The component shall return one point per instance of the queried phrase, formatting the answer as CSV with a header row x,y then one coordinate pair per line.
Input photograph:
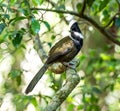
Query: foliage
x,y
20,23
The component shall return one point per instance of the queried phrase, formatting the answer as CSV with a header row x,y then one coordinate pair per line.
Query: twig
x,y
102,30
42,14
90,20
57,11
83,7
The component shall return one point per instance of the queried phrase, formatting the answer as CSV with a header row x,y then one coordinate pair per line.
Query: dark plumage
x,y
63,51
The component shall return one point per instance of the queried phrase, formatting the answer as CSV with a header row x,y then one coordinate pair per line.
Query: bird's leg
x,y
70,64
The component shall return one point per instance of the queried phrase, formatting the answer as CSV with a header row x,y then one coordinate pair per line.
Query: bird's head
x,y
75,30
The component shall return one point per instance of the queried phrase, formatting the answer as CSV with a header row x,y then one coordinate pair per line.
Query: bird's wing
x,y
55,57
63,48
59,45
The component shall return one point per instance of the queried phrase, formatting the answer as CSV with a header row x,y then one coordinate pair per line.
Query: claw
x,y
71,65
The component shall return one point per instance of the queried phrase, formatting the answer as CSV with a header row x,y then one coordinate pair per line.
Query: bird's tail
x,y
36,78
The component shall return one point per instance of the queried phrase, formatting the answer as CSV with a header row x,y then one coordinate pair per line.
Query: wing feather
x,y
63,48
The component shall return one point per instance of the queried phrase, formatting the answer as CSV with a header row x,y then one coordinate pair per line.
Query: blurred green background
x,y
99,68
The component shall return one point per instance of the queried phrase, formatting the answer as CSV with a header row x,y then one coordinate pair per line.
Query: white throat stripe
x,y
79,34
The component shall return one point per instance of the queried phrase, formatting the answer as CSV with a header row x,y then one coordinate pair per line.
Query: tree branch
x,y
71,82
38,46
57,11
83,7
85,17
102,30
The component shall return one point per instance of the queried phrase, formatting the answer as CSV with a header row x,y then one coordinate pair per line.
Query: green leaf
x,y
24,11
41,2
7,16
96,90
80,107
79,6
103,4
35,103
18,19
37,2
53,37
21,101
18,80
17,39
1,0
90,2
14,73
35,26
12,2
105,57
106,17
117,22
70,107
18,101
47,25
61,7
2,26
49,44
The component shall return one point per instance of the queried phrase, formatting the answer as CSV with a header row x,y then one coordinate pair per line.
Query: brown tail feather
x,y
36,78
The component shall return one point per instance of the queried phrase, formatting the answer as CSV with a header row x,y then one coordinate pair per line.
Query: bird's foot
x,y
70,64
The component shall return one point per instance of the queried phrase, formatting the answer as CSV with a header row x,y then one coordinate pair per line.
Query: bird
x,y
62,52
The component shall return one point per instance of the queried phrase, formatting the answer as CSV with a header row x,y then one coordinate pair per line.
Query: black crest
x,y
75,27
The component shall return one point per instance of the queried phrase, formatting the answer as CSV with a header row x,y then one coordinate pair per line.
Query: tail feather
x,y
36,78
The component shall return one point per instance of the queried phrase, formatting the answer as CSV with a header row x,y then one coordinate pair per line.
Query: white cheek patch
x,y
72,22
79,35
